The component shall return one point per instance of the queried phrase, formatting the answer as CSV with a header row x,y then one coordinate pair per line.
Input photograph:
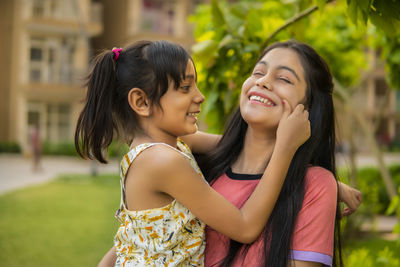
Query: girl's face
x,y
180,107
278,75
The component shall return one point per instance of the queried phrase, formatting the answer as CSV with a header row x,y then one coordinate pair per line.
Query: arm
x,y
352,197
304,264
109,259
246,224
201,142
313,235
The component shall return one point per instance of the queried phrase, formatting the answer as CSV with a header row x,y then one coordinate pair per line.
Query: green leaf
x,y
352,10
203,47
212,97
228,39
393,205
321,4
386,15
217,15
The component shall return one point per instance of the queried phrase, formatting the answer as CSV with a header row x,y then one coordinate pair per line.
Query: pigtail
x,y
95,126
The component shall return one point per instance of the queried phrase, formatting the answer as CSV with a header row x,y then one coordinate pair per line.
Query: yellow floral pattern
x,y
166,236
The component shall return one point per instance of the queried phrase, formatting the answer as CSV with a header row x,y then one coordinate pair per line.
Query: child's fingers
x,y
346,212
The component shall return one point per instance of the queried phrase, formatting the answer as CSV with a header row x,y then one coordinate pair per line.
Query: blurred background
x,y
57,209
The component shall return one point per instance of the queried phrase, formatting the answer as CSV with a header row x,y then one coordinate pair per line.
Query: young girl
x,y
147,94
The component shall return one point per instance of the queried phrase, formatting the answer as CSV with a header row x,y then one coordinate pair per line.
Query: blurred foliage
x,y
364,258
230,37
115,150
9,147
394,207
375,198
66,149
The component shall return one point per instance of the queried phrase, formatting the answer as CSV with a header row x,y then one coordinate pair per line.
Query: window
x,y
158,16
51,60
38,8
54,8
58,122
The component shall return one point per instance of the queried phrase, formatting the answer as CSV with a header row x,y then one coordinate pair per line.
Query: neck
x,y
257,150
151,135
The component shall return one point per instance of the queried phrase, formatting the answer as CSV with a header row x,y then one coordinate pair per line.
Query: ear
x,y
139,102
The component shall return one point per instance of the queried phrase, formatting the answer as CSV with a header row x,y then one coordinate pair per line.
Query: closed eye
x,y
258,74
285,80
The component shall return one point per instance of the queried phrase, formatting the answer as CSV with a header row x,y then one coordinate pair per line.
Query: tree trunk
x,y
368,132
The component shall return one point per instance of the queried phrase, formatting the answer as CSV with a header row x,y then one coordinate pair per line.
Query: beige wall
x,y
6,26
18,91
122,25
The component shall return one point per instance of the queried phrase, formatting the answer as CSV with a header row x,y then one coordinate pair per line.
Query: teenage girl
x,y
147,95
300,230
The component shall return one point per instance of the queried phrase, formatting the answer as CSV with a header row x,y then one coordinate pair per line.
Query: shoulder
x,y
160,157
320,177
320,183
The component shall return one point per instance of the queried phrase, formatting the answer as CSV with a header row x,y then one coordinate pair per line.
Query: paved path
x,y
16,171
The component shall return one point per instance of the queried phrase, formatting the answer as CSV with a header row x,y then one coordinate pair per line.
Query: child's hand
x,y
351,197
294,127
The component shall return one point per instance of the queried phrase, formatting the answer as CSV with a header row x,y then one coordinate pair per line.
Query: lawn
x,y
70,222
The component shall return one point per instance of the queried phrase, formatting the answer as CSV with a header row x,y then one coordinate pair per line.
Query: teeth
x,y
261,99
194,114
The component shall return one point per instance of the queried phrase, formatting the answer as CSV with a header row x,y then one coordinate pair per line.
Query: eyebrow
x,y
190,76
280,67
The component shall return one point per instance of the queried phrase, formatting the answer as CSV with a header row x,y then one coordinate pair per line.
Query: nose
x,y
262,82
199,97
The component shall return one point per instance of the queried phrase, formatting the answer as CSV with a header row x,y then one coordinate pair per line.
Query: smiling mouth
x,y
262,100
193,114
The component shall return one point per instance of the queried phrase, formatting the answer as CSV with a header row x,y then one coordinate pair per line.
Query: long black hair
x,y
318,150
146,65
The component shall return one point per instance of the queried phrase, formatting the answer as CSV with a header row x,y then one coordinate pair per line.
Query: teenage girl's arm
x,y
304,264
173,175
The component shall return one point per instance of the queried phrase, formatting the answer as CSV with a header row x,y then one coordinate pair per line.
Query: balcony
x,y
67,18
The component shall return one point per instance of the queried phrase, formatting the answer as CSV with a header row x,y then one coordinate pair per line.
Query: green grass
x,y
370,251
68,222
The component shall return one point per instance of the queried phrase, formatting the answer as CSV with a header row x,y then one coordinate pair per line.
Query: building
x,y
46,50
126,21
380,105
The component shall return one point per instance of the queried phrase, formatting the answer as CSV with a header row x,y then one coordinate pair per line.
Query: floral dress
x,y
166,236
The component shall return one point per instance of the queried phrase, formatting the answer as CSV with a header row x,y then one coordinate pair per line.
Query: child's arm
x,y
178,179
201,142
351,196
109,259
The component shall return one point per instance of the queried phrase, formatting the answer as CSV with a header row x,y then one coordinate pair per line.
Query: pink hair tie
x,y
116,52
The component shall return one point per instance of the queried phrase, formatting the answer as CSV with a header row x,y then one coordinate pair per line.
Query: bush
x,y
9,147
370,183
115,150
65,149
363,258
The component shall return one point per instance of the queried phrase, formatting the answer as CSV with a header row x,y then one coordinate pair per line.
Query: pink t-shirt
x,y
314,229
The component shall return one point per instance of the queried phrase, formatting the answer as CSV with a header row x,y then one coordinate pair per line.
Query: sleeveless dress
x,y
166,236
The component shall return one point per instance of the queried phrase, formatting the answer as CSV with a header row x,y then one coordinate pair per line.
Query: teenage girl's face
x,y
180,107
278,75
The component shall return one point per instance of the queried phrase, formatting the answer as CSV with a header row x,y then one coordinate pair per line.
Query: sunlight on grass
x,y
68,222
